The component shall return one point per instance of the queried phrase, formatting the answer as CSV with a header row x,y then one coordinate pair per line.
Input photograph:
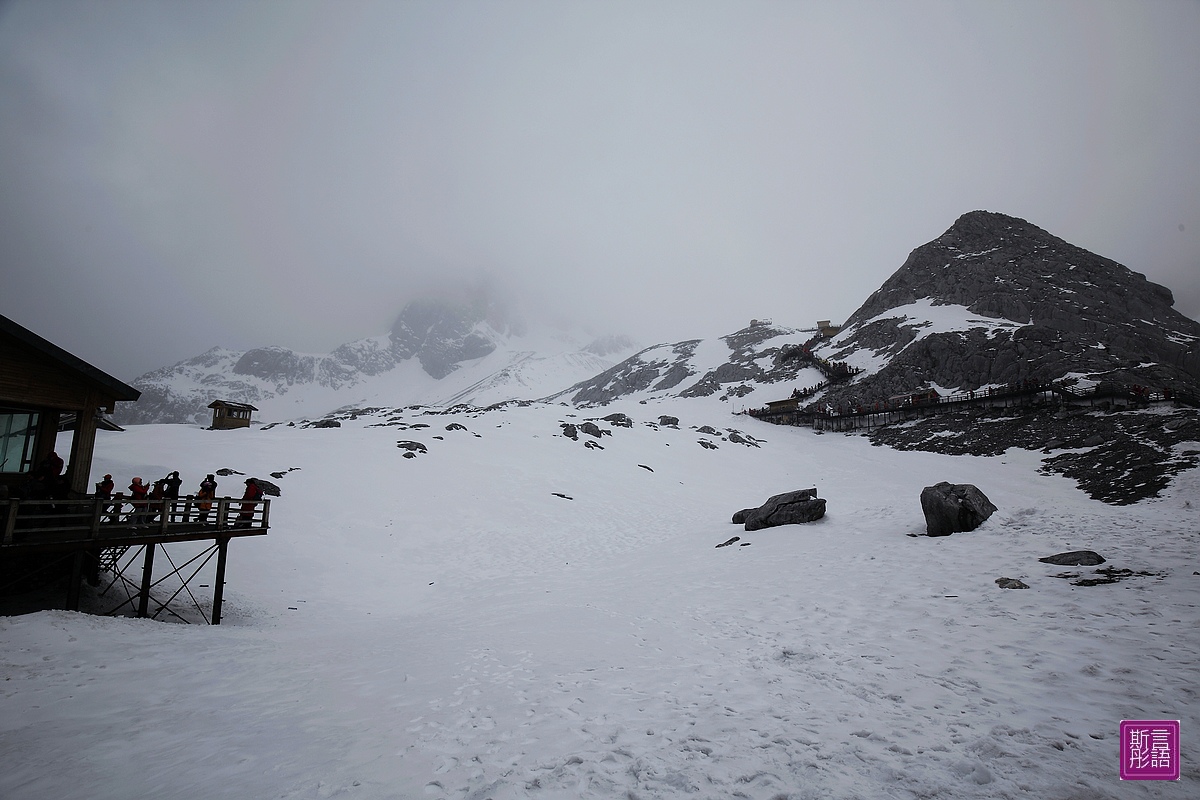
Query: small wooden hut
x,y
227,415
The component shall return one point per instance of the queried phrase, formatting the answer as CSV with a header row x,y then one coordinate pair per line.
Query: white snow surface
x,y
446,627
924,317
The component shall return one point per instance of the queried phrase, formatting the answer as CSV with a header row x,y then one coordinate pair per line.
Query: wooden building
x,y
40,384
51,528
227,415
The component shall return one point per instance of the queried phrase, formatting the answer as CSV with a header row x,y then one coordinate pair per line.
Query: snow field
x,y
445,626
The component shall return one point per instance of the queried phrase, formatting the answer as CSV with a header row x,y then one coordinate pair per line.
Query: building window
x,y
18,431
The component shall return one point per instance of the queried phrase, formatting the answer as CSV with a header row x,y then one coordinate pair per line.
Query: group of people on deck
x,y
147,501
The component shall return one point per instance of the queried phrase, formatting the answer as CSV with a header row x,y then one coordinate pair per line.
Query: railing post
x,y
96,513
163,505
266,513
219,586
147,579
222,513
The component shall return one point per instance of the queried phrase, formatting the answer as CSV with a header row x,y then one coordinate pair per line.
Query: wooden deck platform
x,y
95,532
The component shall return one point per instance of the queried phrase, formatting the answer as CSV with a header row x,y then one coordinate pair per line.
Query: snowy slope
x,y
445,626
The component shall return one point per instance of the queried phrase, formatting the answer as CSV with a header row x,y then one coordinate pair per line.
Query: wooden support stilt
x,y
219,586
147,580
76,579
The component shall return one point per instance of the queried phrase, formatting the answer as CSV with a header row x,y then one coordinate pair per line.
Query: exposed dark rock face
x,y
789,508
619,420
1075,558
570,431
276,364
753,358
1141,451
650,367
441,334
954,508
1045,308
668,422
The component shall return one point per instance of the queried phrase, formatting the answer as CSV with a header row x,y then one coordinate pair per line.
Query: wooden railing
x,y
117,520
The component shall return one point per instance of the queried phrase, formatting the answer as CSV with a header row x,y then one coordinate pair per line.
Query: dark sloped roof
x,y
232,405
119,390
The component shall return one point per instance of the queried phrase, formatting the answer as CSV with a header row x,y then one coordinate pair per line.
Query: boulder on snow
x,y
411,447
668,422
592,429
789,508
1010,583
570,431
954,508
620,420
269,489
1075,558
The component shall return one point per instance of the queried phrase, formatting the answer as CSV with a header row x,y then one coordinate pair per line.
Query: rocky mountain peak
x,y
1001,266
996,299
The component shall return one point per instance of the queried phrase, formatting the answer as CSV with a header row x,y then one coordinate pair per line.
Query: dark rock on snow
x,y
954,508
592,429
728,542
789,508
226,471
620,420
1010,583
1075,558
668,422
412,447
570,431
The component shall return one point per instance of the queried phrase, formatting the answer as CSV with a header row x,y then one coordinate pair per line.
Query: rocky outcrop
x,y
996,300
1138,456
954,508
789,508
1075,558
441,334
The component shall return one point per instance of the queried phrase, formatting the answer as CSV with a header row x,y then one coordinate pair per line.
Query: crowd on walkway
x,y
147,502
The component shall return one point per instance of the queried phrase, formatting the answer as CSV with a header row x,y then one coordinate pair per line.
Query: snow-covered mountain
x,y
993,301
996,300
746,367
439,352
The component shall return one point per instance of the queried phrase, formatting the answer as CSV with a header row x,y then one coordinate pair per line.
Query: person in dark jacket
x,y
171,485
204,498
104,491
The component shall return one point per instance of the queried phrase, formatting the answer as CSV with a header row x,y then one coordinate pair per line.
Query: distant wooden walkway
x,y
95,534
1028,393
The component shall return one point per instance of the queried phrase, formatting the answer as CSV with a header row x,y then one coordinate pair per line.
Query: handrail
x,y
99,518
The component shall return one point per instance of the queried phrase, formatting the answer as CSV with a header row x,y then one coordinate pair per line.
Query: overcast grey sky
x,y
178,175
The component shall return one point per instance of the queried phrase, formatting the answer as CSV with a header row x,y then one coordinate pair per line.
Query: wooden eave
x,y
43,374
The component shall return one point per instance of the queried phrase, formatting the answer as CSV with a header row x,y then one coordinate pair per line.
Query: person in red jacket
x,y
138,493
253,492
